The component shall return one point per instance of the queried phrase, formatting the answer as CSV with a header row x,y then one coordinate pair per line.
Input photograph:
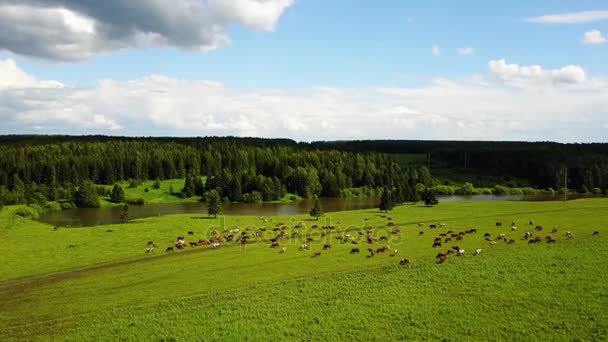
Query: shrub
x,y
53,206
596,191
550,191
466,189
443,190
135,201
27,212
500,190
67,205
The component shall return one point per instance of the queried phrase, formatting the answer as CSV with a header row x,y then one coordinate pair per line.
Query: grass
x,y
91,284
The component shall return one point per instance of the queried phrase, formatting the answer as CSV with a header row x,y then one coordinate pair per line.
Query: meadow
x,y
97,283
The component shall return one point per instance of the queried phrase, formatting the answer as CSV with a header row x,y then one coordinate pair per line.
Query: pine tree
x,y
86,196
189,189
124,213
429,198
386,201
315,211
214,203
117,195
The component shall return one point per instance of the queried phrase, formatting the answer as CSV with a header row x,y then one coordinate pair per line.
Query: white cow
x,y
460,252
478,251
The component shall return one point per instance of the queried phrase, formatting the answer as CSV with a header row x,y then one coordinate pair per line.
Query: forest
x,y
540,164
40,168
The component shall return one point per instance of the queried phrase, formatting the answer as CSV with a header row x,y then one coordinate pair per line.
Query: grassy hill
x,y
98,284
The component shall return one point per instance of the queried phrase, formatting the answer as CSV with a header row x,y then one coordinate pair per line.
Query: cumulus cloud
x,y
465,51
594,37
435,50
481,107
571,18
535,74
74,30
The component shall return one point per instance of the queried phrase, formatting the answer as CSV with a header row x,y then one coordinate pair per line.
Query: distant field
x,y
97,283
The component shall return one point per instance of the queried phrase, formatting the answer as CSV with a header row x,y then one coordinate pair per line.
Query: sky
x,y
306,69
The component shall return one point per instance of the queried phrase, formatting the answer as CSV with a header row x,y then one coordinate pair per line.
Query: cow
x,y
554,231
436,244
511,241
327,246
149,250
381,249
283,250
371,252
538,228
440,258
193,244
55,228
527,235
442,225
309,239
531,223
303,247
215,244
190,233
432,226
456,248
569,235
478,251
595,233
274,244
404,262
498,224
317,254
513,228
487,235
550,239
420,233
354,250
150,243
395,252
169,249
447,240
460,252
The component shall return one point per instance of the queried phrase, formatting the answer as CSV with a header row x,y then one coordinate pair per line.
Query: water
x,y
87,217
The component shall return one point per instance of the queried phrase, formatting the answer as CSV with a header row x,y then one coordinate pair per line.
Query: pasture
x,y
99,284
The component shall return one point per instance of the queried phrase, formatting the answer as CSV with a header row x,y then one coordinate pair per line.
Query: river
x,y
87,217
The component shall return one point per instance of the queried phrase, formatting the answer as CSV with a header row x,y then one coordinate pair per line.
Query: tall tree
x,y
117,195
86,196
316,211
429,197
386,203
214,203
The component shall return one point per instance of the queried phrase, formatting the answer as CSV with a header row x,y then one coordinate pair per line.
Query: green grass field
x,y
97,283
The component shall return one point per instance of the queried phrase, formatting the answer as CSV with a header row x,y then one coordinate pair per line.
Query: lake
x,y
87,217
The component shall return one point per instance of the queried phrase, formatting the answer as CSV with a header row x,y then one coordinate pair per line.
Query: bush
x,y
550,191
443,190
466,189
253,197
134,183
67,205
27,212
53,206
135,201
500,190
596,191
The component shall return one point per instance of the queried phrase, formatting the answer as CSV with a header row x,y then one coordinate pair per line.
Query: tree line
x,y
248,169
583,167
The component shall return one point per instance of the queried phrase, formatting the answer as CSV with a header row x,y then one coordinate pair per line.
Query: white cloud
x,y
74,30
535,74
481,107
571,18
465,51
435,50
594,37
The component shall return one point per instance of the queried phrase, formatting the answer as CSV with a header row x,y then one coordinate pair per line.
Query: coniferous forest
x,y
68,168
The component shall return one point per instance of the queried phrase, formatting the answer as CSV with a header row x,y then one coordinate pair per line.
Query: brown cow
x,y
327,246
595,233
440,258
317,254
354,250
436,244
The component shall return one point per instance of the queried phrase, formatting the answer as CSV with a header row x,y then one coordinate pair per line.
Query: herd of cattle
x,y
279,232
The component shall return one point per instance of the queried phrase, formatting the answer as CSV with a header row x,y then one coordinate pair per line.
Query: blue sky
x,y
331,52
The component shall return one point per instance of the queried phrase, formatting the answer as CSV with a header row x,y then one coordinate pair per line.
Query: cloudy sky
x,y
306,69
